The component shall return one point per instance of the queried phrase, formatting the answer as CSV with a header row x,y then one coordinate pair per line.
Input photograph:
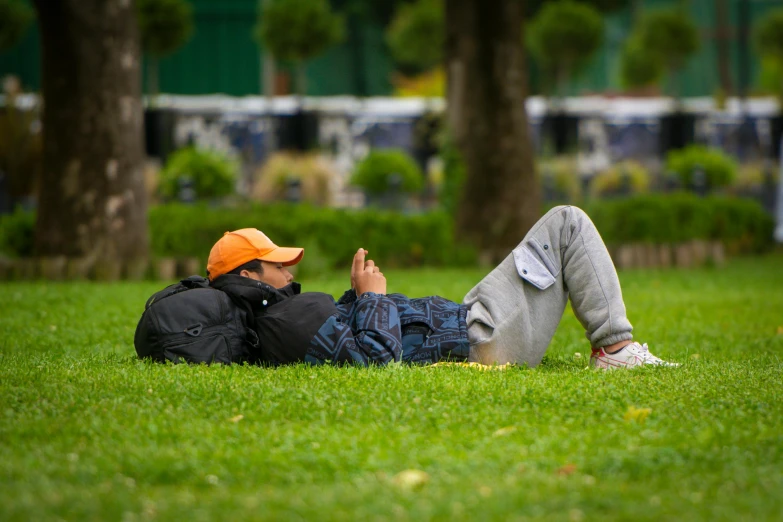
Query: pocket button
x,y
546,247
524,271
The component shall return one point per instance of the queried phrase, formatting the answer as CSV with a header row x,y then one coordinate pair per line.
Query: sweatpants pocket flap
x,y
531,269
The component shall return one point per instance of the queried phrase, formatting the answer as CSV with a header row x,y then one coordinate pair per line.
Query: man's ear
x,y
244,273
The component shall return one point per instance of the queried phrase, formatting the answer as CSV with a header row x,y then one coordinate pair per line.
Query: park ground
x,y
89,432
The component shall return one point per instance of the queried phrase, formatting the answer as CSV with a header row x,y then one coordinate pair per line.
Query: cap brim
x,y
288,256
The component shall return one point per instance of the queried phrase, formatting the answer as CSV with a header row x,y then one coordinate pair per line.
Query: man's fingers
x,y
369,263
376,270
358,261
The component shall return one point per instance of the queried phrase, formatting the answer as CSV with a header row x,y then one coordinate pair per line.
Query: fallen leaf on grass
x,y
502,432
695,356
780,330
410,479
566,470
637,414
237,418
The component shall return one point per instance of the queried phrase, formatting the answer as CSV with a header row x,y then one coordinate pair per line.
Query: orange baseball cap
x,y
240,246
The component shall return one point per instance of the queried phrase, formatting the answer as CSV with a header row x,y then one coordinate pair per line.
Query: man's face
x,y
275,274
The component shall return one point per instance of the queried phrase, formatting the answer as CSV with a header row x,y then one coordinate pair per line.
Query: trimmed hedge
x,y
332,236
674,218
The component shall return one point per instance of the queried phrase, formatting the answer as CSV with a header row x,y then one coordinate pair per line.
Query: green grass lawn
x,y
89,432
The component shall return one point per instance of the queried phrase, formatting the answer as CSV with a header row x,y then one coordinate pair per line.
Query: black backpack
x,y
191,322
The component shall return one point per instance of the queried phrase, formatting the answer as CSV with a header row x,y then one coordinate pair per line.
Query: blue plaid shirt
x,y
378,329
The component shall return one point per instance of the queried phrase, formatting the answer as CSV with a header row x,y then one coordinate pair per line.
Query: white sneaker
x,y
630,356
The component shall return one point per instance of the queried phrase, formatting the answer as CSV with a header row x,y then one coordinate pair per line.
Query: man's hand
x,y
365,276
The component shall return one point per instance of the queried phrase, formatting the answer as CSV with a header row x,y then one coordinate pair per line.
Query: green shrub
x,y
614,179
375,172
416,35
640,66
563,36
212,174
17,233
331,236
298,30
674,218
559,175
672,35
15,19
399,240
314,173
720,169
165,25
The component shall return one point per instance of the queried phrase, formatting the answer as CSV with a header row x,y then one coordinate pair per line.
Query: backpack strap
x,y
195,281
189,283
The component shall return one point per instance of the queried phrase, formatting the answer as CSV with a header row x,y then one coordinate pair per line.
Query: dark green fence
x,y
223,58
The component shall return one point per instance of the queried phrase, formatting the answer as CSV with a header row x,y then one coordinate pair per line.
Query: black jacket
x,y
378,329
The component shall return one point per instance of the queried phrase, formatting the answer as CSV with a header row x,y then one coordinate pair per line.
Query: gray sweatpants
x,y
514,311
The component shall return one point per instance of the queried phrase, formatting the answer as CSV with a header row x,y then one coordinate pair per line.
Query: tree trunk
x,y
92,201
487,86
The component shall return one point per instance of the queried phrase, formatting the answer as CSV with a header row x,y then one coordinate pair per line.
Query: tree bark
x,y
487,87
92,201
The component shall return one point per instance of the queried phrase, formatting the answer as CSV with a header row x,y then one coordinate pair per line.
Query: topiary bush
x,y
719,168
211,173
640,66
313,172
768,36
377,171
623,178
661,40
671,33
165,26
559,179
298,31
15,18
563,36
416,35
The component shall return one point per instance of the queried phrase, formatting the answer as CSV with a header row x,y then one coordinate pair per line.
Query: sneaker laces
x,y
647,356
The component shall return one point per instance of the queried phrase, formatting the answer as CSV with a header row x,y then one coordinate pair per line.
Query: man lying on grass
x,y
509,317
